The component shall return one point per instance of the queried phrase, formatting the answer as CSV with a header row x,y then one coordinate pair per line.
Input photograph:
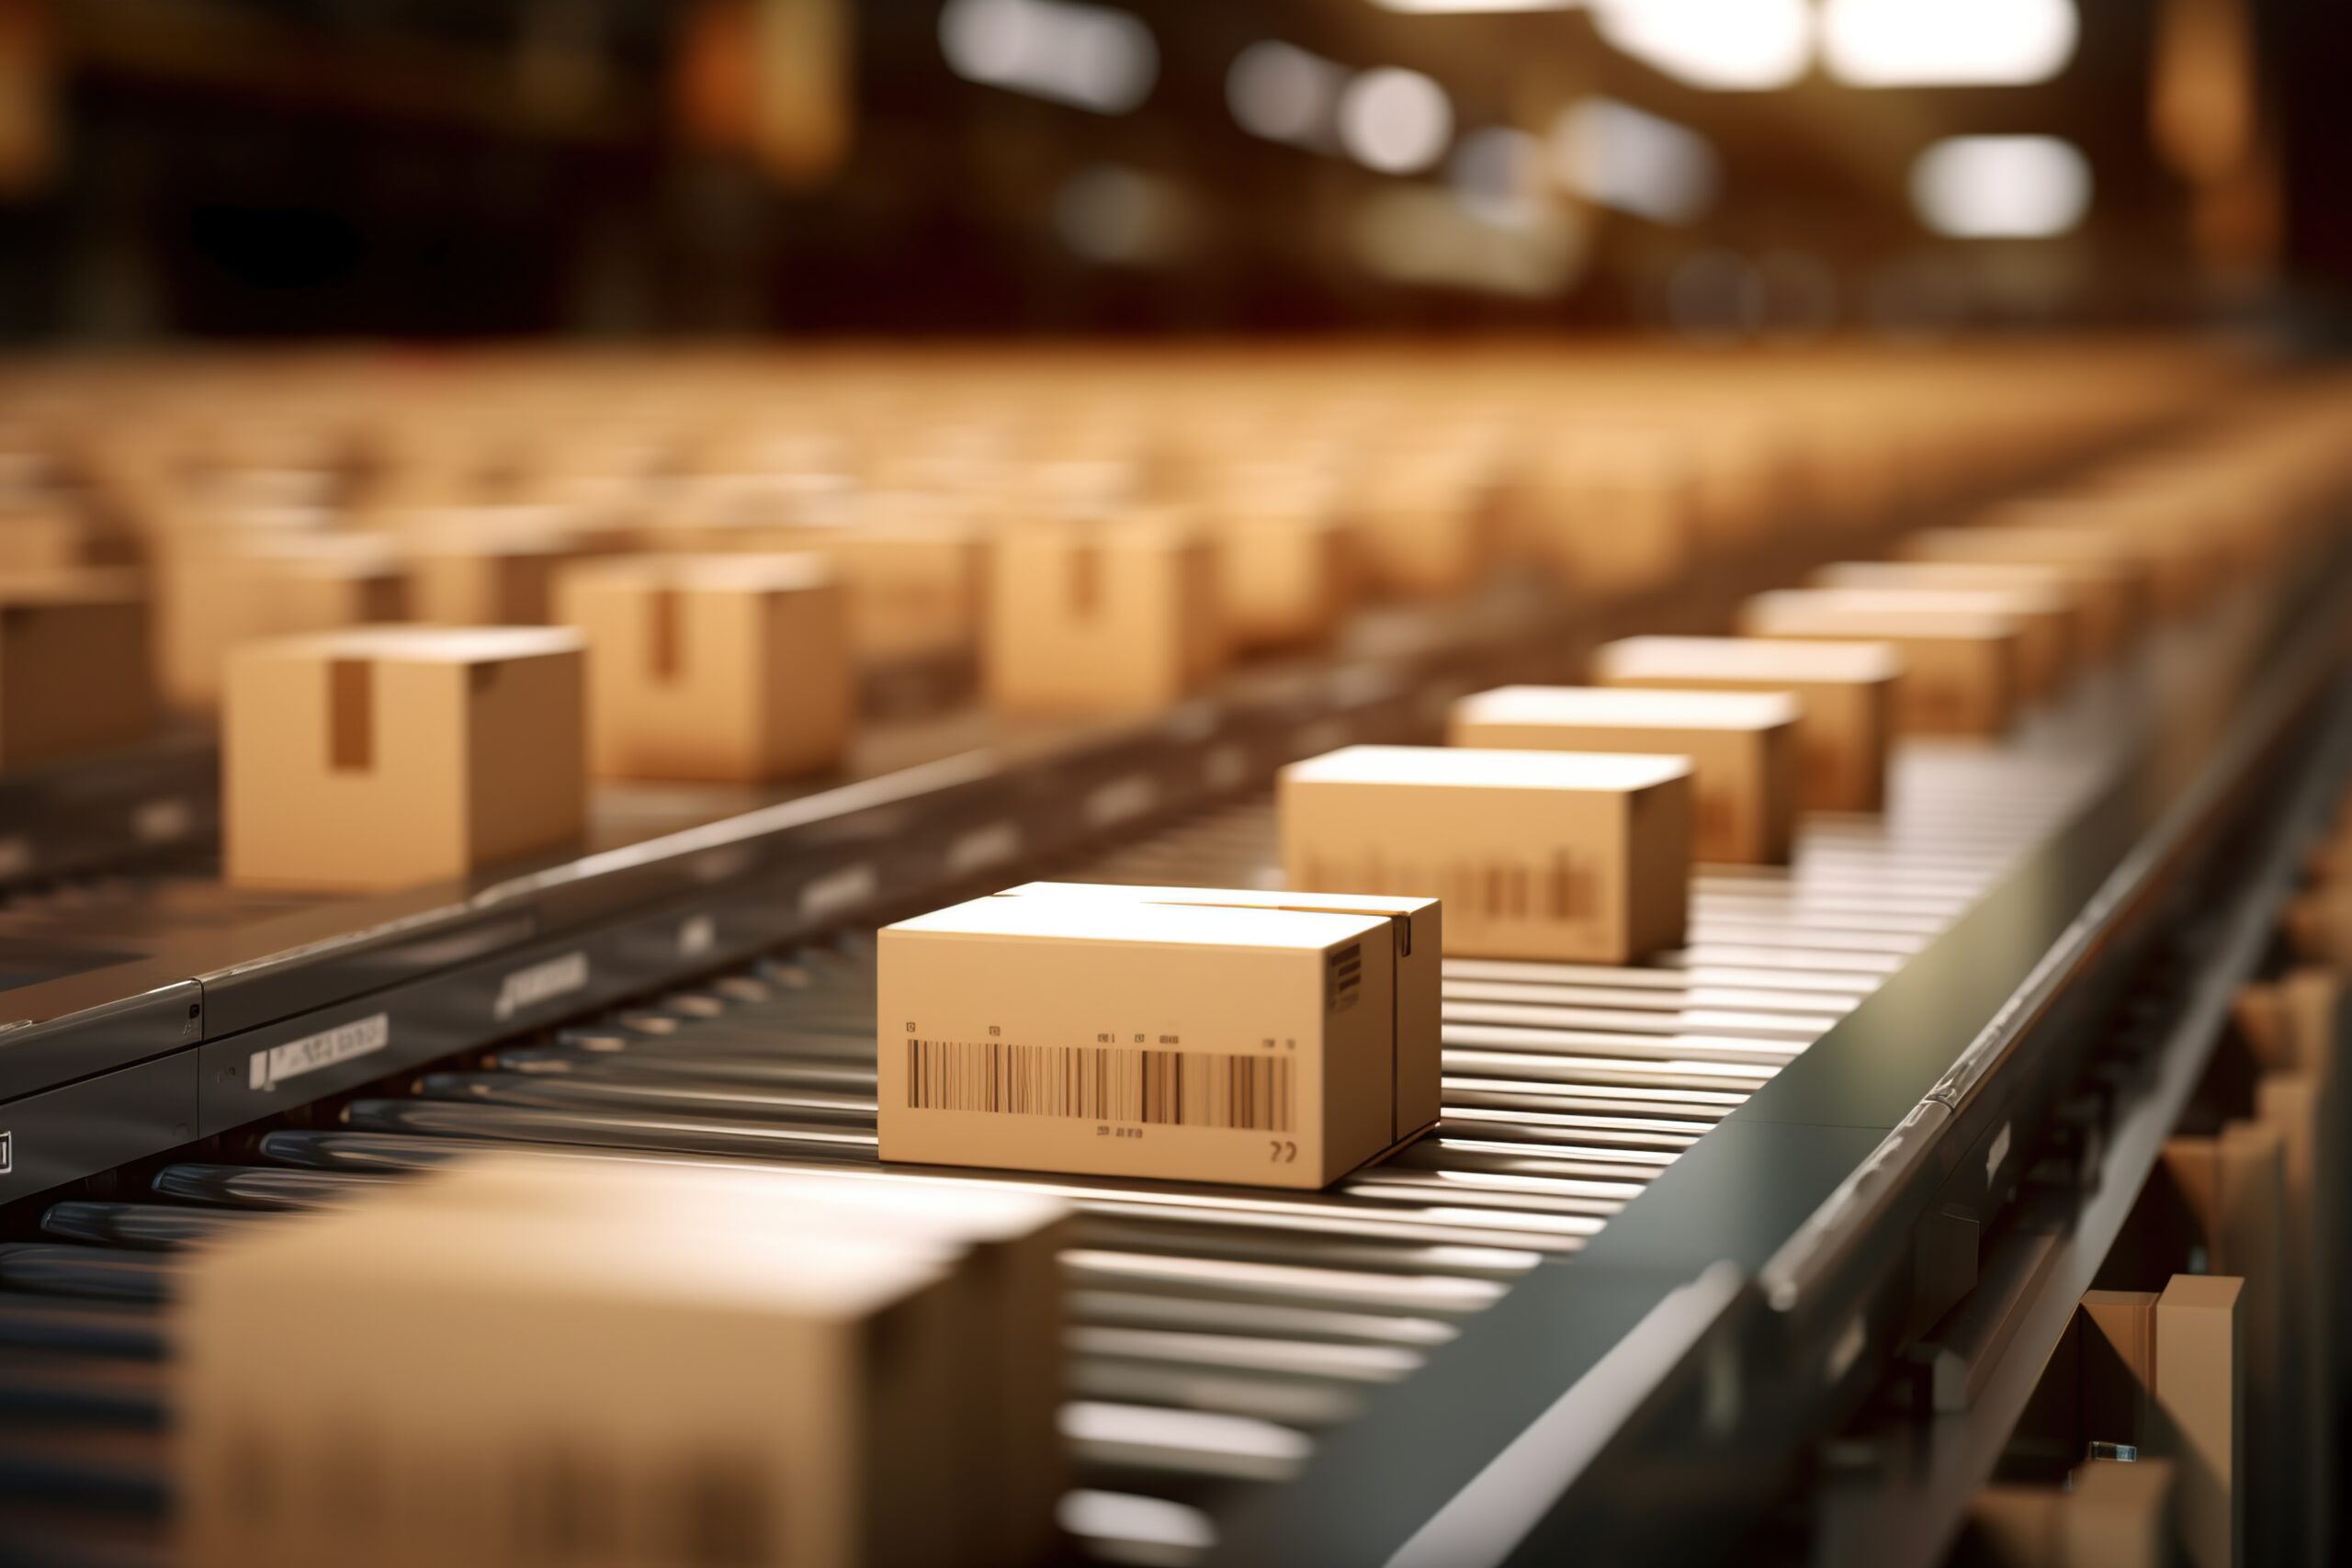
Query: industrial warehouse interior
x,y
1183,784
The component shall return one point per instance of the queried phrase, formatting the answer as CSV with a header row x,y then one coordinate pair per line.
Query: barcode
x,y
1476,893
1175,1088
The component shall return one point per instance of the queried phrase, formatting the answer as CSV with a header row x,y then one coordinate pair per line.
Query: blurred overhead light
x,y
1086,56
1727,45
1926,43
1282,93
2001,187
1615,156
1395,120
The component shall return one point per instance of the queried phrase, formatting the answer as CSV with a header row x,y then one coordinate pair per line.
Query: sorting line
x,y
1213,1331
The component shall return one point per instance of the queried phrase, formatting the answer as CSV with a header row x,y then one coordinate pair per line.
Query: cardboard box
x,y
2049,637
1002,1404
489,572
917,586
1742,746
2198,1352
1285,573
1616,513
1416,925
209,598
2112,581
2096,629
75,666
1108,617
1424,520
1961,663
1548,855
1133,1039
2118,1515
615,1386
731,667
388,756
1845,696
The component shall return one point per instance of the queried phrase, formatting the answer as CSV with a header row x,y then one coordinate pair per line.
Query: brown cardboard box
x,y
1116,616
1285,572
1417,926
2118,1337
1961,663
211,597
623,1383
1424,520
1616,511
1133,1039
2234,1188
1001,1407
917,585
2096,629
2113,582
42,540
74,668
732,668
2049,639
388,756
1742,746
1548,855
1844,694
2118,1515
488,573
2198,1354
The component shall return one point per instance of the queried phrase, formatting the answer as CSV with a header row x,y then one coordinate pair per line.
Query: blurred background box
x,y
722,668
459,748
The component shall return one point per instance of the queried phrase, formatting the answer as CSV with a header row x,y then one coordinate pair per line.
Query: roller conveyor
x,y
1238,1359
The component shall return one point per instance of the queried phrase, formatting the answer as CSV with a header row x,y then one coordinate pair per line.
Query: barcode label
x,y
1174,1089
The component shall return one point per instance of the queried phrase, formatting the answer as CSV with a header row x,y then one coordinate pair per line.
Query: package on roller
x,y
1418,933
1553,856
1129,1038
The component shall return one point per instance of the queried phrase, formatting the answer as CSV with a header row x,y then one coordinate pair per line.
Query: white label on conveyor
x,y
697,935
1122,798
839,890
2000,1152
981,848
161,821
268,1068
539,982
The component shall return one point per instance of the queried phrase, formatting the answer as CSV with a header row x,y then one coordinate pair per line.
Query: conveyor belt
x,y
1219,1334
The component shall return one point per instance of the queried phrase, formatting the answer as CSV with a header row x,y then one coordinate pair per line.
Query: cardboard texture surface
x,y
386,757
1133,1038
1417,930
75,666
1962,664
1572,858
1845,695
1742,746
732,669
638,1378
1116,616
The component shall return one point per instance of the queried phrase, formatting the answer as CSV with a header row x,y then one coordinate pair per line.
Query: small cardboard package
x,y
1962,662
724,668
75,675
388,756
1844,692
1130,1038
1742,746
1561,856
1120,616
